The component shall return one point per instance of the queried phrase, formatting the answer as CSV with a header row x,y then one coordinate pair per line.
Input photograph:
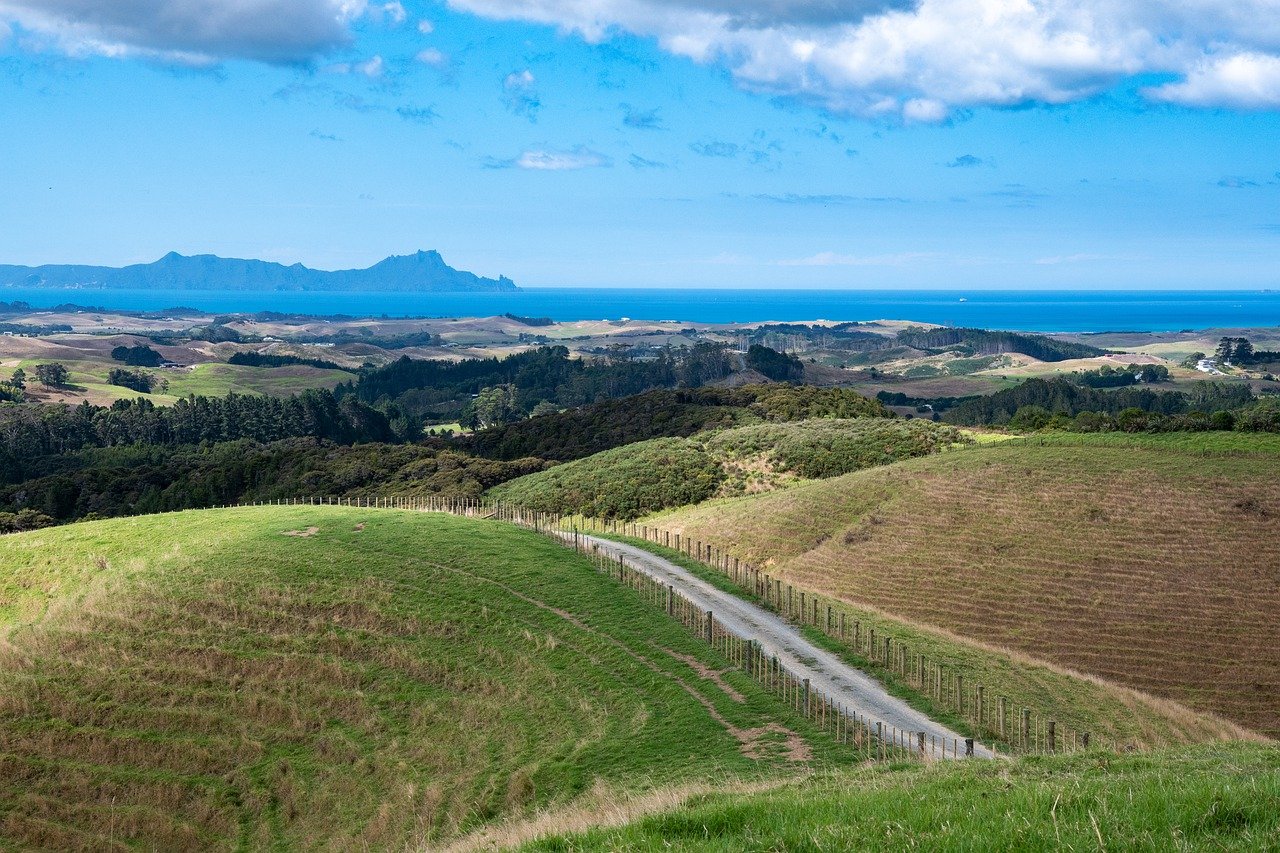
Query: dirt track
x,y
851,687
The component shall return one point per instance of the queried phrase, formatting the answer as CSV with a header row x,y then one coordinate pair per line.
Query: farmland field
x,y
1150,562
303,677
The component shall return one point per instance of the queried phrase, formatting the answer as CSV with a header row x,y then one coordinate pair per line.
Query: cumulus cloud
x,y
1244,80
392,13
191,31
520,95
426,27
921,60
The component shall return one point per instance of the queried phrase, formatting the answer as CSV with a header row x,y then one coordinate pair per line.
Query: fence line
x,y
1020,730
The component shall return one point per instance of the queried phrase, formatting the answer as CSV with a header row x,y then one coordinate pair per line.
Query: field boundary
x,y
991,716
868,738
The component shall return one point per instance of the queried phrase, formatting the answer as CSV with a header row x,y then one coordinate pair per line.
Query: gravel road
x,y
851,687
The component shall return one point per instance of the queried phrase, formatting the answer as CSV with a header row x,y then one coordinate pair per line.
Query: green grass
x,y
215,379
1219,798
200,679
648,476
1148,561
88,378
1187,443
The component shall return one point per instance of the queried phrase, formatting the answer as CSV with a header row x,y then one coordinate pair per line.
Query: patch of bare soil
x,y
713,675
301,534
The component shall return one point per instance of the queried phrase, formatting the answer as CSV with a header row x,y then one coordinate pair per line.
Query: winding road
x,y
827,674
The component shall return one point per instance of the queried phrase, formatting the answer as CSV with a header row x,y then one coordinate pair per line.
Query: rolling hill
x,y
1149,561
647,476
303,677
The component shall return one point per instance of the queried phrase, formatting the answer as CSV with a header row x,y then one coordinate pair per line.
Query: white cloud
x,y
520,96
426,27
519,81
834,259
1244,80
921,60
392,12
561,161
433,57
369,68
194,31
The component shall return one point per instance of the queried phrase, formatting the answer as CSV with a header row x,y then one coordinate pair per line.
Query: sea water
x,y
1040,310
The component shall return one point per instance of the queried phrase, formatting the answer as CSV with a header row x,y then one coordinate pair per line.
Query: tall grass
x,y
376,679
1221,798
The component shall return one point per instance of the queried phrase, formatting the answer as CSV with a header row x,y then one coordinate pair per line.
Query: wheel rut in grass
x,y
753,742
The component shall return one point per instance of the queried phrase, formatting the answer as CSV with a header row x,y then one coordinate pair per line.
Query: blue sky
x,y
654,142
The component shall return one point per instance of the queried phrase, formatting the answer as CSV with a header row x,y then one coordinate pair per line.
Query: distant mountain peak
x,y
423,271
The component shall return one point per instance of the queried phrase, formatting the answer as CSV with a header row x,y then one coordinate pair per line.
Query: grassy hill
x,y
648,476
1150,561
314,676
1220,798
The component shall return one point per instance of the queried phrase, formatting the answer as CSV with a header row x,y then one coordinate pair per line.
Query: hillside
x,y
648,476
1216,798
422,271
313,676
1151,561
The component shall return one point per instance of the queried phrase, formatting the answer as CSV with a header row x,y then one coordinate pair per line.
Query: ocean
x,y
1037,311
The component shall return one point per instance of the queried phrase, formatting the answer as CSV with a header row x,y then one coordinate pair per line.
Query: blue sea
x,y
1040,311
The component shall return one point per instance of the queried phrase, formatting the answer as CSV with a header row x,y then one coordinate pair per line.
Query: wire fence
x,y
991,716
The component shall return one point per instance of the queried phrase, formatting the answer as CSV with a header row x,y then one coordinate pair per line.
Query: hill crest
x,y
422,271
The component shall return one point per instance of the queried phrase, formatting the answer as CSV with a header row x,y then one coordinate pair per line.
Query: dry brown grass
x,y
602,808
1155,569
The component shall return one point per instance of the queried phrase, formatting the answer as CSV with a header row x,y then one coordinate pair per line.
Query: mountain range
x,y
419,272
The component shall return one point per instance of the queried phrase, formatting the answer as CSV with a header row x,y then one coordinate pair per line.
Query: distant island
x,y
419,272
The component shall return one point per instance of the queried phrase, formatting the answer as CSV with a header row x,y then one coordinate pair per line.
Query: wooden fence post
x,y
806,697
1026,728
671,600
710,622
1053,735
